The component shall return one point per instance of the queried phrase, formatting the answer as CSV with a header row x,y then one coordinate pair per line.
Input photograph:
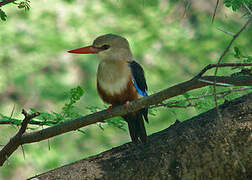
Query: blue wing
x,y
138,78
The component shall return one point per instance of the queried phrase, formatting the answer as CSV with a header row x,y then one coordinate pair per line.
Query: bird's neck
x,y
110,71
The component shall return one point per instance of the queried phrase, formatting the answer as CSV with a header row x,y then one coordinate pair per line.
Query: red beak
x,y
85,50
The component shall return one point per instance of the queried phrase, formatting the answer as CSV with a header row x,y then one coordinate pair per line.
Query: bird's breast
x,y
113,77
114,83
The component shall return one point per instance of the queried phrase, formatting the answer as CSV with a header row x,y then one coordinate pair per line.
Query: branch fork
x,y
16,140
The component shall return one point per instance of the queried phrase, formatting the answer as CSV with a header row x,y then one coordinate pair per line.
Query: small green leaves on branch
x,y
74,95
21,5
242,58
68,111
236,4
49,119
24,5
3,16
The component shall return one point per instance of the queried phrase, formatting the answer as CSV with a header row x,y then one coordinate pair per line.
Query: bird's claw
x,y
127,104
109,108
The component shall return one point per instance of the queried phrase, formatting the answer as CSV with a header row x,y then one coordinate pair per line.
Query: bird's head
x,y
109,47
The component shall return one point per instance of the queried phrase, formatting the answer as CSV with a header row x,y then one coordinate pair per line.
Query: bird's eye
x,y
104,47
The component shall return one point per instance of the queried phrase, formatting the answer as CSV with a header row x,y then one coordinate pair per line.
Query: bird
x,y
120,79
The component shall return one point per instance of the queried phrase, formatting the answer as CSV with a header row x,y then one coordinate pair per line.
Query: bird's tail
x,y
136,125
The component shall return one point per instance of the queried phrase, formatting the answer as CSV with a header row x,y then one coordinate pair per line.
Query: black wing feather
x,y
138,75
140,84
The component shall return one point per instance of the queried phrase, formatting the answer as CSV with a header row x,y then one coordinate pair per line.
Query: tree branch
x,y
133,106
235,36
153,99
215,10
4,2
15,141
210,66
33,122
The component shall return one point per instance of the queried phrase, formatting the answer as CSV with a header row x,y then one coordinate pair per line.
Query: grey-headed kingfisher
x,y
120,79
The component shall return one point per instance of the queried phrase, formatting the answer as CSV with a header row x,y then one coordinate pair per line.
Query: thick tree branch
x,y
153,99
194,149
15,141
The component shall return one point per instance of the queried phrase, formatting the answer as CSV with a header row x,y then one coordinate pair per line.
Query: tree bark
x,y
194,149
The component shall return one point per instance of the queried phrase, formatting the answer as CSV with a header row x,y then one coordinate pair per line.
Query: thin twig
x,y
187,6
249,10
23,151
231,42
180,106
210,66
32,122
12,112
48,144
215,9
226,32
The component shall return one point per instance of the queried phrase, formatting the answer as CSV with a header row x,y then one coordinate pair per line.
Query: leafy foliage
x,y
68,111
74,95
3,16
21,5
24,5
236,4
242,58
117,122
49,119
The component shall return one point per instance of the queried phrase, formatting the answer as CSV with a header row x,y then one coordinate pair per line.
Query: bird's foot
x,y
127,104
109,108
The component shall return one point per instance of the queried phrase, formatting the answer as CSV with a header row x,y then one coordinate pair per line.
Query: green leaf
x,y
116,122
24,4
33,110
237,53
76,93
68,111
227,3
100,126
3,16
186,95
81,131
236,4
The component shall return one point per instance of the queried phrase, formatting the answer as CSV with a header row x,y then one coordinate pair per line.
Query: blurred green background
x,y
172,40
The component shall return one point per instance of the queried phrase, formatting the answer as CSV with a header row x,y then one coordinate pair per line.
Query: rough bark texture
x,y
194,149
